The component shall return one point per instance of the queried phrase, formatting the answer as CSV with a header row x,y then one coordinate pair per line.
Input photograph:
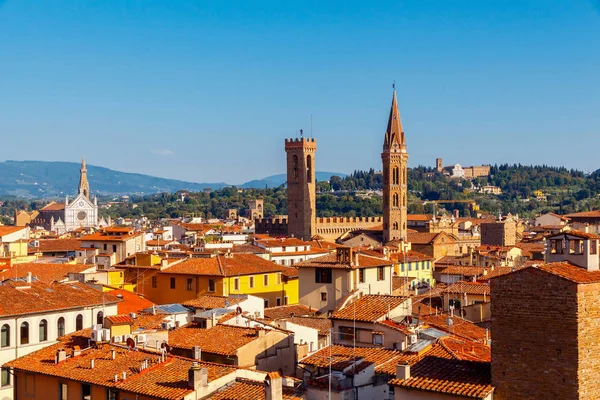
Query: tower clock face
x,y
81,215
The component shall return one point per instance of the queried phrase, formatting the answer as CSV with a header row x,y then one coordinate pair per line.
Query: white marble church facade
x,y
82,212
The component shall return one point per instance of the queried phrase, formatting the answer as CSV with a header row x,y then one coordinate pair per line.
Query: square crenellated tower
x,y
301,188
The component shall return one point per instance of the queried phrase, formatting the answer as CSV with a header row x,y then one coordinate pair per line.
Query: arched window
x,y
308,168
395,200
404,200
295,167
5,336
395,175
24,333
43,330
79,322
395,226
60,327
100,318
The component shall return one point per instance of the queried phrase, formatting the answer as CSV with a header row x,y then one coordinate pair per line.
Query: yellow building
x,y
177,281
14,242
415,265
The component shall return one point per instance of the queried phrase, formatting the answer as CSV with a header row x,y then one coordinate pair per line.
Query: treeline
x,y
356,195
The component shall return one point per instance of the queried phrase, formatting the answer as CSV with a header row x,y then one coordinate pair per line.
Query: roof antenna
x,y
301,132
311,132
394,85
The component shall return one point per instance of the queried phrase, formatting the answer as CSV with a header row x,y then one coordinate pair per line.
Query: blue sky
x,y
207,91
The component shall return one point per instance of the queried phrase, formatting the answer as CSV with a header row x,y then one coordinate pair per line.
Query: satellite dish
x,y
226,302
238,310
130,343
409,319
450,321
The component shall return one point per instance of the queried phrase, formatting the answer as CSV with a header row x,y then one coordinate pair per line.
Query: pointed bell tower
x,y
395,159
84,186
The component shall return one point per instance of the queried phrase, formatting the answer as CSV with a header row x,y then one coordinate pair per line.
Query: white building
x,y
34,314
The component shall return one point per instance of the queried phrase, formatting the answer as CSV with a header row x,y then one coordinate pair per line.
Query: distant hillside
x,y
43,179
279,179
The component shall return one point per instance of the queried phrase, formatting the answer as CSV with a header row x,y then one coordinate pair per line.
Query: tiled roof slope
x,y
221,339
37,297
288,311
369,308
43,272
244,389
132,303
330,261
162,380
449,376
206,301
323,325
220,265
468,288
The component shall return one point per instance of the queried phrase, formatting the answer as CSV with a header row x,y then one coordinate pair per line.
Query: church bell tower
x,y
84,186
395,159
301,188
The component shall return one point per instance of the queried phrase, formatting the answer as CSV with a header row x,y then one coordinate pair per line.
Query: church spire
x,y
394,133
84,186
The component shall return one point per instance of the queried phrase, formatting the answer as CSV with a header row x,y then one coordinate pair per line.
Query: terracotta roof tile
x,y
120,319
53,207
220,339
209,302
460,327
220,265
369,308
288,311
568,271
585,214
385,360
323,325
132,302
58,245
45,272
7,230
469,288
162,380
449,376
37,297
244,389
331,261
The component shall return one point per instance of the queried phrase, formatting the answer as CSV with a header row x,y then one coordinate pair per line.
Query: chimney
x,y
153,309
403,371
213,317
76,351
456,213
92,363
197,377
197,353
164,263
113,354
273,386
356,259
61,355
29,277
260,333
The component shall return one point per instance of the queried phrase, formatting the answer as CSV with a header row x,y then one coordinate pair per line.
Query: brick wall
x,y
588,300
534,336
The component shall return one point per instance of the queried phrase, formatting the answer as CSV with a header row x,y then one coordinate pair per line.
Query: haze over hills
x,y
42,179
